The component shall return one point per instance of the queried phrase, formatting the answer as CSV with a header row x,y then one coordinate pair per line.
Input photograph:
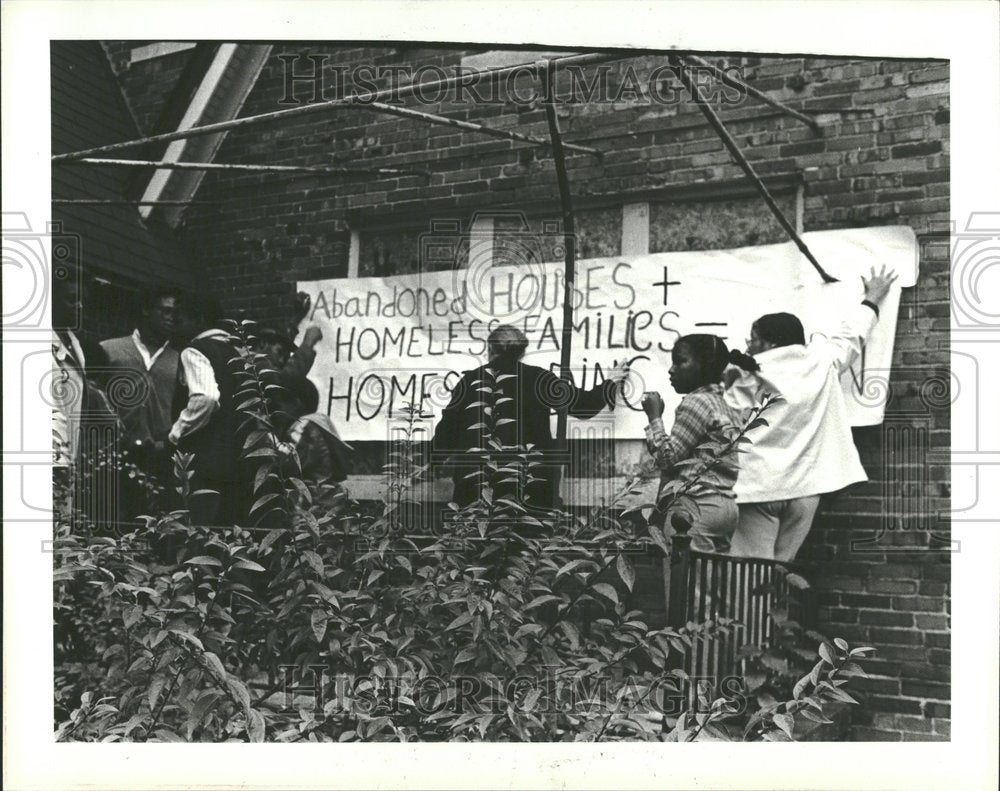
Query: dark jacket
x,y
534,394
218,443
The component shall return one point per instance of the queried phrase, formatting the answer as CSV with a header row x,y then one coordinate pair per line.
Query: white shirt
x,y
203,390
67,398
807,448
147,358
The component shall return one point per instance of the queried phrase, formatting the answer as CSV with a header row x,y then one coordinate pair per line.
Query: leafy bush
x,y
326,624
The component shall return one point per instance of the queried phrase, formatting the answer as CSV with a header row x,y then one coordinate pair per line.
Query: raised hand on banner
x,y
877,286
619,373
312,336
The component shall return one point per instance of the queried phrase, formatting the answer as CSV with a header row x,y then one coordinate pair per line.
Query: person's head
x,y
158,313
697,360
275,344
196,313
774,330
506,344
305,394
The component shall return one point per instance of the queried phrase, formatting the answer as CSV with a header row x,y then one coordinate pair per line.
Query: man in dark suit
x,y
525,398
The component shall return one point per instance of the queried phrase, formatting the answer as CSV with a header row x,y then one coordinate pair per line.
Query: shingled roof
x,y
88,110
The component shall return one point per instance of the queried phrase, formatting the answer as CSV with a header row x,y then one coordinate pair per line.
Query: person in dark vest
x,y
150,360
207,422
534,393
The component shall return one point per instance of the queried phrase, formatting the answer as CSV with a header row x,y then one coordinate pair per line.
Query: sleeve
x,y
449,430
690,425
203,394
301,361
843,347
584,404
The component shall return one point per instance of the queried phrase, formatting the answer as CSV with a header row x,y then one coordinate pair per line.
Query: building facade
x,y
664,183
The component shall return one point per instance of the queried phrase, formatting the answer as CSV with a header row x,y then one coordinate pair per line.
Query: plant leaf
x,y
249,565
204,560
606,590
255,726
317,620
786,722
626,571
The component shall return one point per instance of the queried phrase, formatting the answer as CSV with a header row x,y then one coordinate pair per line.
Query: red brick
x,y
859,734
931,604
904,722
936,622
926,689
882,618
865,600
942,727
926,672
895,636
877,685
896,704
893,586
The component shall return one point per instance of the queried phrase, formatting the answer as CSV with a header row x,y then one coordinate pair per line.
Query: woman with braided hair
x,y
702,423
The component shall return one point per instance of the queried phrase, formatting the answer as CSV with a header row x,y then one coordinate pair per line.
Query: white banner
x,y
389,340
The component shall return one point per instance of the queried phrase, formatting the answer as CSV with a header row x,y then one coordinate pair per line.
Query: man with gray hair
x,y
532,394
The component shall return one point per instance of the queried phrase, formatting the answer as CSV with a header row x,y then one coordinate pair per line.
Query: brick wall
x,y
146,84
883,159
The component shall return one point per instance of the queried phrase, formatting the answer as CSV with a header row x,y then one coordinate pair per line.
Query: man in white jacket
x,y
807,449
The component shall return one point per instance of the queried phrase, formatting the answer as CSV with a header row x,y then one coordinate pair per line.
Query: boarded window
x,y
406,251
540,239
514,240
716,224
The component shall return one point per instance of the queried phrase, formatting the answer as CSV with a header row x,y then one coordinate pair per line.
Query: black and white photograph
x,y
533,382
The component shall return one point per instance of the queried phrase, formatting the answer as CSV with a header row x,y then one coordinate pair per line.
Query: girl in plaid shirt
x,y
703,420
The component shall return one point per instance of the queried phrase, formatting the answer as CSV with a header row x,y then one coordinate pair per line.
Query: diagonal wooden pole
x,y
116,202
733,82
680,68
503,134
569,237
329,170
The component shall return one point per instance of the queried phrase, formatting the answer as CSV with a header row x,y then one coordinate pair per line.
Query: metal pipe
x,y
405,112
398,92
734,82
250,168
681,70
569,240
110,202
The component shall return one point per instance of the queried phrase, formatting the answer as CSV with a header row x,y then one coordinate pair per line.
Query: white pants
x,y
774,530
